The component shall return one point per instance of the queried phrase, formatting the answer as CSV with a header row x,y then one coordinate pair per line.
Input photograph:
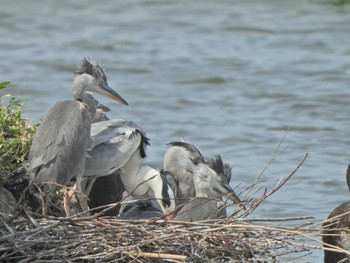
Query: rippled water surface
x,y
230,76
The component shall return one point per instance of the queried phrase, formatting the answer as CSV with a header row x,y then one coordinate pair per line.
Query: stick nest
x,y
27,236
109,239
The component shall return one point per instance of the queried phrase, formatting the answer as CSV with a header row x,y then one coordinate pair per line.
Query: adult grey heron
x,y
120,146
202,207
63,138
337,231
181,159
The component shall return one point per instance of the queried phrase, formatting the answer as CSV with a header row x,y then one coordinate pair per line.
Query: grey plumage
x,y
120,146
115,141
107,189
63,138
181,159
201,207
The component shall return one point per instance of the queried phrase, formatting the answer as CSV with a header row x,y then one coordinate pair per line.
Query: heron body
x,y
63,138
120,146
178,161
56,160
116,143
201,207
337,230
106,190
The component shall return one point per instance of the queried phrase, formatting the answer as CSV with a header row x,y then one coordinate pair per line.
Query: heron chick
x,y
202,207
182,159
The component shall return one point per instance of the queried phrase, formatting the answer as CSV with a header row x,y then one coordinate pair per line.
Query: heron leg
x,y
80,194
89,184
44,203
66,200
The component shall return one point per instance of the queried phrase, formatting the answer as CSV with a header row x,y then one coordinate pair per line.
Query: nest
x,y
27,236
109,239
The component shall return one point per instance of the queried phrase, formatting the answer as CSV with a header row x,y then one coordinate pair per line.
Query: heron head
x,y
220,184
91,77
221,168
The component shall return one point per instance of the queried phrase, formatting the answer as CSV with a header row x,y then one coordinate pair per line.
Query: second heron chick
x,y
183,159
202,207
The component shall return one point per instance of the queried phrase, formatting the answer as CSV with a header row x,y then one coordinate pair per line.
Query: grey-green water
x,y
230,76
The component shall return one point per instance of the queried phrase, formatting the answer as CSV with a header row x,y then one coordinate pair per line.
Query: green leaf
x,y
4,84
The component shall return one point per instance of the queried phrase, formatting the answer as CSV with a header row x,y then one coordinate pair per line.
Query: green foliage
x,y
15,132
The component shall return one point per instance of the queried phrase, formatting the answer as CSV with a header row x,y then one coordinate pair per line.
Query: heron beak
x,y
231,194
109,92
102,107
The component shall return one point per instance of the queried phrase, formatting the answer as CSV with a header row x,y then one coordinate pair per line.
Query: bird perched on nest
x,y
120,146
63,139
202,207
332,235
181,160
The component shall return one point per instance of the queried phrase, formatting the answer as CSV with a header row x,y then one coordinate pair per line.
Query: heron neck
x,y
132,168
139,183
90,103
132,176
202,189
80,84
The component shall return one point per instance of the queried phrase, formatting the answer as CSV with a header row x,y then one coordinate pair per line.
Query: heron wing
x,y
110,129
178,161
193,150
60,143
114,142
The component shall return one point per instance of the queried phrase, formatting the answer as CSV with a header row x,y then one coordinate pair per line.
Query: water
x,y
230,76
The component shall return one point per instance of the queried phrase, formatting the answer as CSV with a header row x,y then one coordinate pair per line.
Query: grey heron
x,y
202,207
181,159
63,138
337,231
120,146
